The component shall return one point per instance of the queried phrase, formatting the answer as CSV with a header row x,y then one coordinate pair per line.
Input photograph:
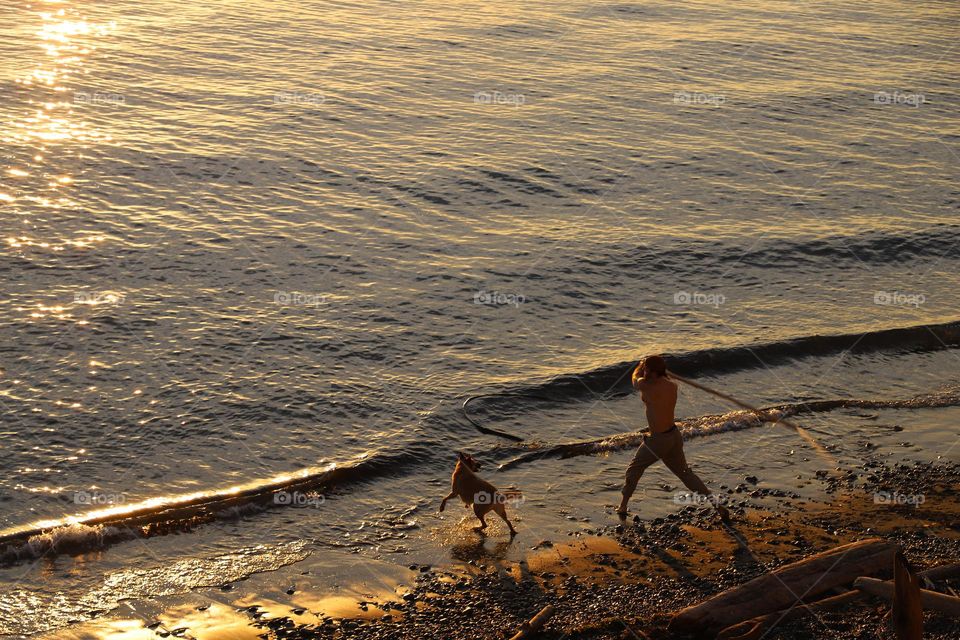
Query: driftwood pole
x,y
527,629
949,605
907,612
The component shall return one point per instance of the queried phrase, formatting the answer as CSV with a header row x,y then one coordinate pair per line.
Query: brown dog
x,y
477,492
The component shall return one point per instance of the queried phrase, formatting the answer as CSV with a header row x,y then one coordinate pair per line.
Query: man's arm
x,y
637,378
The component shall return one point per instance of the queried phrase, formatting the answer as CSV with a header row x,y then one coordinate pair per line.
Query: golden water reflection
x,y
46,136
48,130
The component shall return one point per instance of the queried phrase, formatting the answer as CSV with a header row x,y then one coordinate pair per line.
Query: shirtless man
x,y
659,394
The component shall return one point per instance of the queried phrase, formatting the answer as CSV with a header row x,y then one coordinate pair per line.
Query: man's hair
x,y
655,364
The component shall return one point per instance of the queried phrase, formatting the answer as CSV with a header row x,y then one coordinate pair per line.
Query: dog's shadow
x,y
512,580
477,549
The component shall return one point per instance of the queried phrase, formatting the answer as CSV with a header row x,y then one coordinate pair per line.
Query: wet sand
x,y
618,580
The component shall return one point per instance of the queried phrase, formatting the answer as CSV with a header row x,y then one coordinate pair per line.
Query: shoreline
x,y
610,581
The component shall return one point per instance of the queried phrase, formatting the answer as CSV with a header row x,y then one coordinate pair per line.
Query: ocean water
x,y
242,240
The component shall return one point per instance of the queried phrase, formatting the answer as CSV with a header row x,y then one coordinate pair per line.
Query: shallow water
x,y
243,240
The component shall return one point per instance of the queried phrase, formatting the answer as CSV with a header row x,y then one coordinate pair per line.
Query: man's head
x,y
652,367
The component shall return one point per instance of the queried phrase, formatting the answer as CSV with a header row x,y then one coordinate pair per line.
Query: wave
x,y
705,425
158,516
614,380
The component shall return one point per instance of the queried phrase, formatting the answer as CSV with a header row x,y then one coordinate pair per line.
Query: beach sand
x,y
618,580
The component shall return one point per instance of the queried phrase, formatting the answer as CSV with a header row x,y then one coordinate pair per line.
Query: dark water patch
x,y
934,243
521,184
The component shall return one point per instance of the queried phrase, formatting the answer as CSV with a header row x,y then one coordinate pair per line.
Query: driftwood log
x,y
755,628
527,629
943,572
949,605
787,586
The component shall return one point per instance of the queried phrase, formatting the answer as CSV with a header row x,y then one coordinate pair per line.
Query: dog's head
x,y
468,460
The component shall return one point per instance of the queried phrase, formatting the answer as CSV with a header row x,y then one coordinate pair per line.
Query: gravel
x,y
629,595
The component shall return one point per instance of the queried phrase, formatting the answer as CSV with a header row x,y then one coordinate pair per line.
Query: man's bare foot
x,y
622,509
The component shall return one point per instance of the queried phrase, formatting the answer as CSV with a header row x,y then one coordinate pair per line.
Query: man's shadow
x,y
743,554
676,565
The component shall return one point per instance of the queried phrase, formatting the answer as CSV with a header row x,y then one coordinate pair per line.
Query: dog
x,y
477,492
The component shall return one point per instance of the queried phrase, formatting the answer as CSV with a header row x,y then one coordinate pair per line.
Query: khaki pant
x,y
669,448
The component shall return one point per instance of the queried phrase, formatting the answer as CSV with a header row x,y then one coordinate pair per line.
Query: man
x,y
659,394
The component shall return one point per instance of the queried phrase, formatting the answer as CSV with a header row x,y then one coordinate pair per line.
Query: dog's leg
x,y
443,503
502,512
480,510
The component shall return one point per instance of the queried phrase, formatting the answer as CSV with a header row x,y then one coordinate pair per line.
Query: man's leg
x,y
644,457
676,461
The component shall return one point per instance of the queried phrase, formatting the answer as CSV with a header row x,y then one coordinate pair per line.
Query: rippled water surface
x,y
246,238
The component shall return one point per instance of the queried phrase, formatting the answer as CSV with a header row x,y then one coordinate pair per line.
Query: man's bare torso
x,y
660,397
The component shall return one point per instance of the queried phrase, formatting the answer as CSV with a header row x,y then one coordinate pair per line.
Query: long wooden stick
x,y
819,448
487,430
